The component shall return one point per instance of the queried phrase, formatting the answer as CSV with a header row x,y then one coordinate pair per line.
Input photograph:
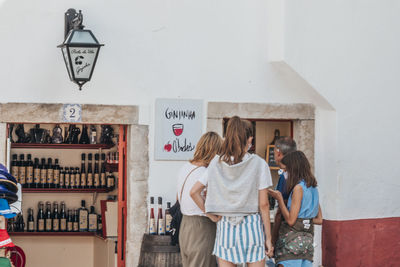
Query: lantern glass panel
x,y
82,37
67,63
83,59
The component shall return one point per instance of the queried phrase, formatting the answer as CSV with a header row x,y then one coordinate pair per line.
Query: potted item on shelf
x,y
107,134
22,136
57,137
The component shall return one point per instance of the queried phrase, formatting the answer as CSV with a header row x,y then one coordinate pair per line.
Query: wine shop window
x,y
69,178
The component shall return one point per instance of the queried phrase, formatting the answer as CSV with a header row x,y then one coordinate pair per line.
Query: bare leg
x,y
260,263
224,263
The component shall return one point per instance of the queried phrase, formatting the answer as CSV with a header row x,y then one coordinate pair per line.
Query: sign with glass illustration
x,y
178,128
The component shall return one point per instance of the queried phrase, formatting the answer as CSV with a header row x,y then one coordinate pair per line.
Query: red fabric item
x,y
5,240
17,256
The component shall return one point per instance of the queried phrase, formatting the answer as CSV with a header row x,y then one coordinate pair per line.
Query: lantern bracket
x,y
73,20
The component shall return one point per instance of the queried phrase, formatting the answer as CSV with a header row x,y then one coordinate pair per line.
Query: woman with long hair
x,y
237,193
197,231
294,247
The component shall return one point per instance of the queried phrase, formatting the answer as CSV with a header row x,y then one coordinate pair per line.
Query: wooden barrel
x,y
156,251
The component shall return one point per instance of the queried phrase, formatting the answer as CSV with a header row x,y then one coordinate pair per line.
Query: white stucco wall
x,y
215,51
349,51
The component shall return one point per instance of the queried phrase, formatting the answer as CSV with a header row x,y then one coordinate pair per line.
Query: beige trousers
x,y
196,241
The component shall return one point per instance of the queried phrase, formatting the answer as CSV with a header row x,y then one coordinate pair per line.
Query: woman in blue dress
x,y
294,247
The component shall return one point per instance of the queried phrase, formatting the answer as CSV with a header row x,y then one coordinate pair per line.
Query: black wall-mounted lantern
x,y
80,48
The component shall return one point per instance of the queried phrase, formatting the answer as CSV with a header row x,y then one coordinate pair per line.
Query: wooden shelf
x,y
61,146
52,234
65,190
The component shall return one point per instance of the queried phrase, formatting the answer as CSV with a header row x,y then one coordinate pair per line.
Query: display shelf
x,y
52,234
66,190
61,146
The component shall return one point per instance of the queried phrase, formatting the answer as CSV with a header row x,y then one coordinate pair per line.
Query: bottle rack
x,y
61,146
52,234
66,190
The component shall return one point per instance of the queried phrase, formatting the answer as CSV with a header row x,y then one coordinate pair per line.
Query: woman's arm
x,y
195,194
297,196
264,210
318,219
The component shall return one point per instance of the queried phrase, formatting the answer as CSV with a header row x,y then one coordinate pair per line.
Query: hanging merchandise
x,y
5,209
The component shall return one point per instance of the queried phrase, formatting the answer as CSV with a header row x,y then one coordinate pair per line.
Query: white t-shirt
x,y
265,179
188,207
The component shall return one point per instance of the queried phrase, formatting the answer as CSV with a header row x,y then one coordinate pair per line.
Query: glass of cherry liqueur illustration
x,y
177,129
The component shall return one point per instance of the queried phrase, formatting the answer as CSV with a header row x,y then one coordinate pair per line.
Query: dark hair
x,y
298,169
235,141
285,144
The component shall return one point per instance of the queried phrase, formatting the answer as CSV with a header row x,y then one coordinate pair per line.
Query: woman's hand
x,y
214,218
275,194
269,249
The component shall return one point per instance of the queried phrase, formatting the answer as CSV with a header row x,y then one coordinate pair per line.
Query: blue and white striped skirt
x,y
240,242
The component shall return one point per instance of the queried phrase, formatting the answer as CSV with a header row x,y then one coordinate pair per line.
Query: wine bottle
x,y
29,172
77,178
160,220
84,136
277,135
168,219
92,220
56,172
31,221
22,170
63,218
93,134
89,174
48,221
83,217
99,225
70,222
83,171
96,171
75,224
103,181
72,177
152,226
62,178
14,166
43,173
50,173
110,181
56,218
36,173
66,177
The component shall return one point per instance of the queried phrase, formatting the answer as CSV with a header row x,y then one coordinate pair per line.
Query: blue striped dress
x,y
240,239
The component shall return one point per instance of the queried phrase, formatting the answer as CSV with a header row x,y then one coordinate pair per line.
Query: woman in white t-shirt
x,y
197,230
237,185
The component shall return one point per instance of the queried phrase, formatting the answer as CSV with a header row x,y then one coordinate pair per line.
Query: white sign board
x,y
72,113
178,128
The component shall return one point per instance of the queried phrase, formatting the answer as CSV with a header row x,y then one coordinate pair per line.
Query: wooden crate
x,y
156,251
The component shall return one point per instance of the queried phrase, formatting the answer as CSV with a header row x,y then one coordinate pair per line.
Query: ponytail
x,y
234,145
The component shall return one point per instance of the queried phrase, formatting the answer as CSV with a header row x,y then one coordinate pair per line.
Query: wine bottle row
x,y
35,174
71,220
163,224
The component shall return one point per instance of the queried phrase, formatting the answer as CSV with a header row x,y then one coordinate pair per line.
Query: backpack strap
x,y
180,198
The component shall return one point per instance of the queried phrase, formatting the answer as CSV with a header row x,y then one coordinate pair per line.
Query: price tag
x,y
72,113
